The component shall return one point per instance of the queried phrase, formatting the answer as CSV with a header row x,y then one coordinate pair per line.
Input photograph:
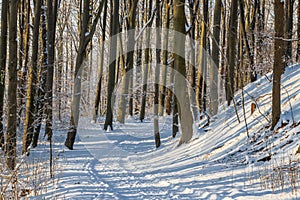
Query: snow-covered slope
x,y
220,162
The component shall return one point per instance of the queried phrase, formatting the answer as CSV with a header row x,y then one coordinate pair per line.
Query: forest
x,y
213,81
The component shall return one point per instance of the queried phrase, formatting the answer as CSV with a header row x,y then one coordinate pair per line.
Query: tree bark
x,y
3,55
156,73
112,64
81,55
180,86
101,65
201,85
214,68
32,78
231,51
129,62
146,64
289,31
11,133
51,27
278,66
42,80
165,52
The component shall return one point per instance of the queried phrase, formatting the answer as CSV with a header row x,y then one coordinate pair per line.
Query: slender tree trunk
x,y
253,75
24,47
101,65
231,51
201,86
192,66
298,32
289,31
146,64
43,78
165,52
3,55
214,68
51,27
129,62
278,67
31,90
85,39
180,87
169,97
112,64
156,73
11,133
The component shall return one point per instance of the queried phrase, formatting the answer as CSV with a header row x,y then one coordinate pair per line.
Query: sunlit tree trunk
x,y
214,67
32,81
180,86
85,39
201,84
127,77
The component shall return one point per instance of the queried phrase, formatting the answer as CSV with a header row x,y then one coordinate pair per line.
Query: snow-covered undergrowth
x,y
220,162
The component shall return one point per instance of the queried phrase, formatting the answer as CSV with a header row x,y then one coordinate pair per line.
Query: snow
x,y
219,162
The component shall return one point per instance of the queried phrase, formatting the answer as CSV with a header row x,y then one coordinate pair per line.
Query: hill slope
x,y
220,162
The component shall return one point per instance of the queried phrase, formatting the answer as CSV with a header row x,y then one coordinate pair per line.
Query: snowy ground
x,y
220,162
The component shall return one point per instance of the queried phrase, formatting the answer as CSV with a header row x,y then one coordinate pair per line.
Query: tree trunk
x,y
51,27
43,78
23,60
81,55
11,133
129,62
3,55
31,90
289,31
156,73
278,66
253,75
146,64
231,51
298,32
165,52
201,86
101,65
112,64
180,87
214,68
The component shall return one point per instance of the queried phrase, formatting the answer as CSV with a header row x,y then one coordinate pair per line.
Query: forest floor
x,y
220,162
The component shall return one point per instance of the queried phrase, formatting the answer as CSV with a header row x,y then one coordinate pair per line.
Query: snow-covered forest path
x,y
219,163
124,164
